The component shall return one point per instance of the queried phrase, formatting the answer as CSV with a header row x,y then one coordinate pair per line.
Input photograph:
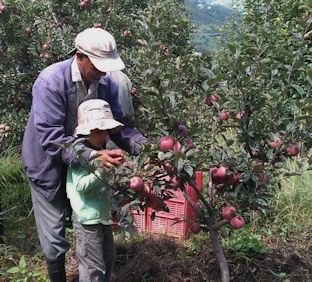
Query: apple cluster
x,y
219,175
147,194
229,214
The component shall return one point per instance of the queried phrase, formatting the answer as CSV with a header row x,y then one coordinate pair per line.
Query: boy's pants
x,y
95,250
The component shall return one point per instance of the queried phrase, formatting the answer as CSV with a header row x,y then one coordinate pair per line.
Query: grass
x,y
292,204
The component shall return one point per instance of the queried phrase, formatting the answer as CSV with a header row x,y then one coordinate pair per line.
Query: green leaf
x,y
180,165
298,88
189,170
13,270
22,262
161,155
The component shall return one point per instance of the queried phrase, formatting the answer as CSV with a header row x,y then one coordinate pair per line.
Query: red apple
x,y
127,33
136,183
263,178
221,172
47,56
97,25
195,228
183,130
2,8
166,143
224,116
210,100
190,144
275,144
228,212
218,175
169,167
177,147
259,166
240,114
7,128
45,46
28,30
59,24
84,4
133,90
232,179
293,150
213,171
237,222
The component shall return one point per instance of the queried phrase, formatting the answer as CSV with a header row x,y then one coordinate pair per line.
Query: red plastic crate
x,y
177,222
139,220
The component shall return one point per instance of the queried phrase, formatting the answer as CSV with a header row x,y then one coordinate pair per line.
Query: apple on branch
x,y
237,222
210,100
228,212
195,228
293,150
183,130
275,144
177,147
2,8
166,143
224,116
136,183
240,115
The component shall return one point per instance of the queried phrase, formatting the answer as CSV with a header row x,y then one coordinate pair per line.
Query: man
x,y
57,93
124,93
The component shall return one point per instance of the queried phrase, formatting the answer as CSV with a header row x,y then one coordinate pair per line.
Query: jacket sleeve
x,y
49,110
129,139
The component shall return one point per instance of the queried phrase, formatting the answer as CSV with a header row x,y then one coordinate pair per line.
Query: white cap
x,y
100,47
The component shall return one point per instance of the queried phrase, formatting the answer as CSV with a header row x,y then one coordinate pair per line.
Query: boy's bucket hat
x,y
95,114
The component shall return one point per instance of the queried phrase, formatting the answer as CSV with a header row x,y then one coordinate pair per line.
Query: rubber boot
x,y
56,270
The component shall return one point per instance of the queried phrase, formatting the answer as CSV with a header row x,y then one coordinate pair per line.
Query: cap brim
x,y
85,129
114,63
72,52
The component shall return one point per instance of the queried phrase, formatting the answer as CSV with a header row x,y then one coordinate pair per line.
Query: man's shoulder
x,y
58,69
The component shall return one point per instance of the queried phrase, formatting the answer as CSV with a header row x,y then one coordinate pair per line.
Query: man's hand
x,y
111,158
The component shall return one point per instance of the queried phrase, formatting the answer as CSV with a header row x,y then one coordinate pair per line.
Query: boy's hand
x,y
111,158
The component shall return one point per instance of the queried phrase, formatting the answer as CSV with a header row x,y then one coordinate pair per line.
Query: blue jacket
x,y
52,121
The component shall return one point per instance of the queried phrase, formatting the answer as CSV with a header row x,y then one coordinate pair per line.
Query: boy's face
x,y
98,137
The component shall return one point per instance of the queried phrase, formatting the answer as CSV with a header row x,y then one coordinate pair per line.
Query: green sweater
x,y
89,197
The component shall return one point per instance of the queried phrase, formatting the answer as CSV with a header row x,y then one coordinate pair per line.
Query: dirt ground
x,y
164,259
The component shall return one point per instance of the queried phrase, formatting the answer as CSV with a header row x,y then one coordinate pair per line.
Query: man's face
x,y
88,72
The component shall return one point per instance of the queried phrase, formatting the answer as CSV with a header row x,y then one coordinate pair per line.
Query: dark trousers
x,y
50,222
95,250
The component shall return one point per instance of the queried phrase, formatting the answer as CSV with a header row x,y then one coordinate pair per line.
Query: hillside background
x,y
209,16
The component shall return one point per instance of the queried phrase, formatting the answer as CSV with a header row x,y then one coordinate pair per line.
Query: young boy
x,y
90,198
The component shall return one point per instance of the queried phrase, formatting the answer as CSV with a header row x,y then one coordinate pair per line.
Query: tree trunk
x,y
224,268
